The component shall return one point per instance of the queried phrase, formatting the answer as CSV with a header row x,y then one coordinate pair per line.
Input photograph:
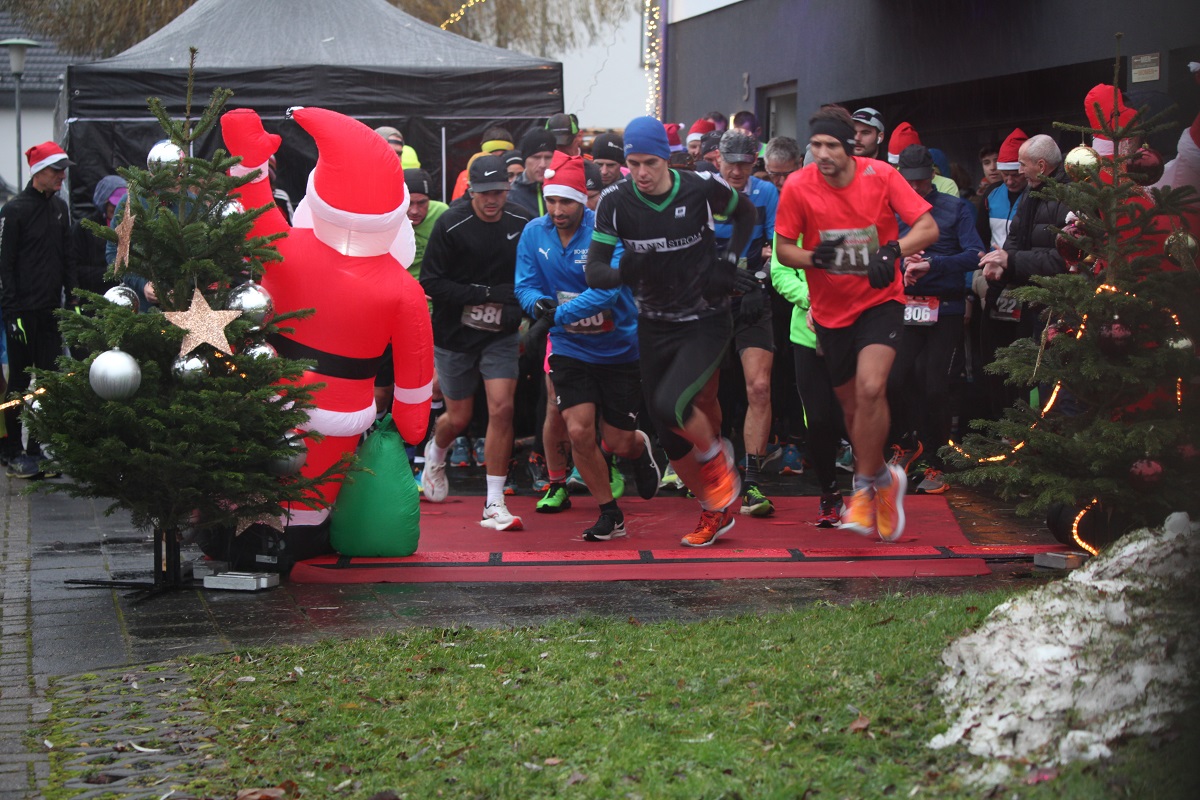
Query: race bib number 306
x,y
855,251
483,317
920,310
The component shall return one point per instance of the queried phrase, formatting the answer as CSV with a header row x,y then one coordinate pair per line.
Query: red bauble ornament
x,y
1145,167
1071,253
1115,338
1145,474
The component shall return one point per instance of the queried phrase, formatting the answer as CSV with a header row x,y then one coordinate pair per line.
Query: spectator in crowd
x,y
869,132
567,136
538,146
696,133
608,153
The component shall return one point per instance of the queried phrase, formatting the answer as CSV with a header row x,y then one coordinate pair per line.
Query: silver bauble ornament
x,y
115,375
291,463
260,350
231,207
1081,162
164,153
1182,343
122,296
190,368
253,301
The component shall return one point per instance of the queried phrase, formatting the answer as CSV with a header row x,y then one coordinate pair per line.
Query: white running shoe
x,y
434,484
497,517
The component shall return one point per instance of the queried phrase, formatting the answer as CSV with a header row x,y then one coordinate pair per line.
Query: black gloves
x,y
745,283
881,269
824,255
16,330
501,293
753,305
510,317
545,309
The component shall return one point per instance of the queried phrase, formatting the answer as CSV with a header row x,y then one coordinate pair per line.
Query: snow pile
x,y
1056,675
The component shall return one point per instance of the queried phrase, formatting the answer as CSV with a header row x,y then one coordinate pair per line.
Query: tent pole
x,y
444,195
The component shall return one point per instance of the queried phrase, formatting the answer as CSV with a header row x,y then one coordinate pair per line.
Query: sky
x,y
604,84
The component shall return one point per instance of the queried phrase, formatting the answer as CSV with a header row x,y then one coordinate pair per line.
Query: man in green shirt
x,y
423,212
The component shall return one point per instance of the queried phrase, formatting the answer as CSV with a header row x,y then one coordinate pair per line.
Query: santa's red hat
x,y
699,128
565,178
904,136
1105,106
47,154
673,141
1010,150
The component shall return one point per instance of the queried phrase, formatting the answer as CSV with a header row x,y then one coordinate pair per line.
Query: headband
x,y
842,131
495,144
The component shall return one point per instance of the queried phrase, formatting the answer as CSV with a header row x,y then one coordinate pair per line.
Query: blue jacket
x,y
765,198
547,269
953,257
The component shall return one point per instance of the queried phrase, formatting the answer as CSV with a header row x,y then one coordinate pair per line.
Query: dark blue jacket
x,y
953,257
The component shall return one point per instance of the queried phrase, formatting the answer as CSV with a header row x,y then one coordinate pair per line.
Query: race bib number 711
x,y
855,251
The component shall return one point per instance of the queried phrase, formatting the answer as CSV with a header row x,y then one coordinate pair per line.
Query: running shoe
x,y
646,474
49,468
858,514
497,517
417,477
575,484
830,511
845,457
889,506
616,482
754,502
606,527
555,500
477,452
538,475
434,484
722,482
791,462
510,480
460,453
932,482
903,457
24,467
711,526
670,480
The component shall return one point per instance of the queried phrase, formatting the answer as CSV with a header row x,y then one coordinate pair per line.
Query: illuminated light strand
x,y
652,55
24,399
1104,287
1075,527
462,11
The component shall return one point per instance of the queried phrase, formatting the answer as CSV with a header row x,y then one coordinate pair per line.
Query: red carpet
x,y
551,548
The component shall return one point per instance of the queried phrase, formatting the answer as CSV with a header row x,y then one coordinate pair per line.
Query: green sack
x,y
377,513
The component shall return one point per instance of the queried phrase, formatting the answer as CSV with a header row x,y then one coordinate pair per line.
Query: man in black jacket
x,y
34,231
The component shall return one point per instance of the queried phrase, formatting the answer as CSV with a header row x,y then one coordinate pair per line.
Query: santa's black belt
x,y
330,364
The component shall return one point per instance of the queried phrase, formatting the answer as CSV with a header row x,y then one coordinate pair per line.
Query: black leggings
x,y
677,359
822,412
35,344
920,380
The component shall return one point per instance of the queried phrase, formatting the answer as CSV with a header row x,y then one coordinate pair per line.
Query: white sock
x,y
495,489
437,454
710,453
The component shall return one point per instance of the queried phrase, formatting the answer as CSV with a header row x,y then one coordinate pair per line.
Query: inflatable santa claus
x,y
345,258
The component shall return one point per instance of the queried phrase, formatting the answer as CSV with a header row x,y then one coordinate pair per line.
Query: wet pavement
x,y
53,631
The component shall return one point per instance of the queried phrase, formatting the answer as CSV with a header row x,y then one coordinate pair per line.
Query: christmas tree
x,y
1115,441
185,418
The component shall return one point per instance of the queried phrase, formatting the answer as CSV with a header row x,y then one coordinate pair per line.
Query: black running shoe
x,y
607,527
646,474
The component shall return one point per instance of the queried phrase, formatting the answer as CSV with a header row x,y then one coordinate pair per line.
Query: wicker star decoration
x,y
124,234
273,521
203,325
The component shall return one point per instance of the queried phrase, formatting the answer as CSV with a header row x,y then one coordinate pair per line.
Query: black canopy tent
x,y
363,58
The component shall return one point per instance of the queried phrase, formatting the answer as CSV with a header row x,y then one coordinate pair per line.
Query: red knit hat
x,y
348,150
673,141
1010,150
904,136
1102,95
699,128
565,178
47,154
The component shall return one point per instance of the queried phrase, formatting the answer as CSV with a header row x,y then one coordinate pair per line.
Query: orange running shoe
x,y
722,481
889,506
712,524
858,513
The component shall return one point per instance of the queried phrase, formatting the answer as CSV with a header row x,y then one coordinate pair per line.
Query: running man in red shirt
x,y
837,220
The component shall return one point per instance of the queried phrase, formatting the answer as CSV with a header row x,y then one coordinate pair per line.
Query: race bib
x,y
1008,308
855,251
601,322
483,317
921,310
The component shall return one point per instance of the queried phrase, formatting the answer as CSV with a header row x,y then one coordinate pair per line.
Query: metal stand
x,y
168,572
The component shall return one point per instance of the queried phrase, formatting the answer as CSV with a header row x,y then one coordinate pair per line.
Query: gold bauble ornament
x,y
1181,248
1081,162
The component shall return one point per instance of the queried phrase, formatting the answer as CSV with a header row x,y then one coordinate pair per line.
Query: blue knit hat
x,y
647,136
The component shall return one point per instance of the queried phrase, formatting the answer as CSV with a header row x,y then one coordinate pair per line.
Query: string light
x,y
1075,527
24,399
462,10
652,54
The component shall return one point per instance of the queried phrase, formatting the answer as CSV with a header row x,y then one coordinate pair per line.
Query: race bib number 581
x,y
483,317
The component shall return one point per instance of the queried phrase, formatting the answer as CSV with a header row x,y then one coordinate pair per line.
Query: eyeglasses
x,y
779,175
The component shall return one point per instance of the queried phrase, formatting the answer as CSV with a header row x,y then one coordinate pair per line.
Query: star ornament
x,y
124,234
203,324
272,521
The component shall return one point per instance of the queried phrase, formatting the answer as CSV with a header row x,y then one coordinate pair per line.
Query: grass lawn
x,y
825,702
